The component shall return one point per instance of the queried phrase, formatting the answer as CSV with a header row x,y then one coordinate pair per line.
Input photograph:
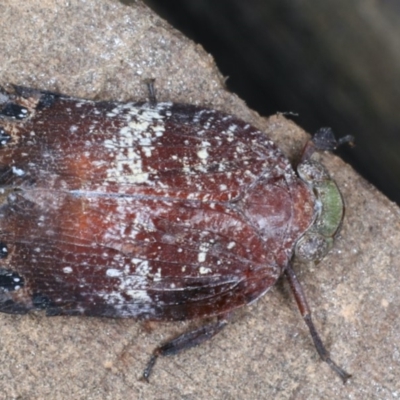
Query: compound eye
x,y
312,246
312,172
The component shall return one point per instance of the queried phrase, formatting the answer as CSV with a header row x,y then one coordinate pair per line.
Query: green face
x,y
329,210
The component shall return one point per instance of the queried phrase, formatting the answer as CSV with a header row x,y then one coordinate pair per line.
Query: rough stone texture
x,y
103,49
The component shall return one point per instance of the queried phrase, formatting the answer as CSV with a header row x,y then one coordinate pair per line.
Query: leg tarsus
x,y
323,353
185,341
149,367
306,314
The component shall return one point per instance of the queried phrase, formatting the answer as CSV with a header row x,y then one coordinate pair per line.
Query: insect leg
x,y
306,314
185,341
324,140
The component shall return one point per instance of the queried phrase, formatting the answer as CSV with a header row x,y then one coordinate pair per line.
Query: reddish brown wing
x,y
128,210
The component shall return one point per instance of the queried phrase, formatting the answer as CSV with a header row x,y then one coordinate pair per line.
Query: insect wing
x,y
124,210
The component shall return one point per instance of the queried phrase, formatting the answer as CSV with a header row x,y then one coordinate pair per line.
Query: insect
x,y
152,210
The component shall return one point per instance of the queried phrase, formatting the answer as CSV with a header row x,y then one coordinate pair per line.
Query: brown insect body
x,y
127,210
151,210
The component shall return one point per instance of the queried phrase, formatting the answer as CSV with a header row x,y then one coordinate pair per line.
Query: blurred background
x,y
333,63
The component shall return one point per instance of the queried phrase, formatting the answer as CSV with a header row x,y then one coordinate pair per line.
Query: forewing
x,y
131,210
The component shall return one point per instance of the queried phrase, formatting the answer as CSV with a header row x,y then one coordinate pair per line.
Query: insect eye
x,y
312,172
312,246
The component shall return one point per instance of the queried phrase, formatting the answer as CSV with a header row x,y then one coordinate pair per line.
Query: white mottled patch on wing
x,y
133,142
129,295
